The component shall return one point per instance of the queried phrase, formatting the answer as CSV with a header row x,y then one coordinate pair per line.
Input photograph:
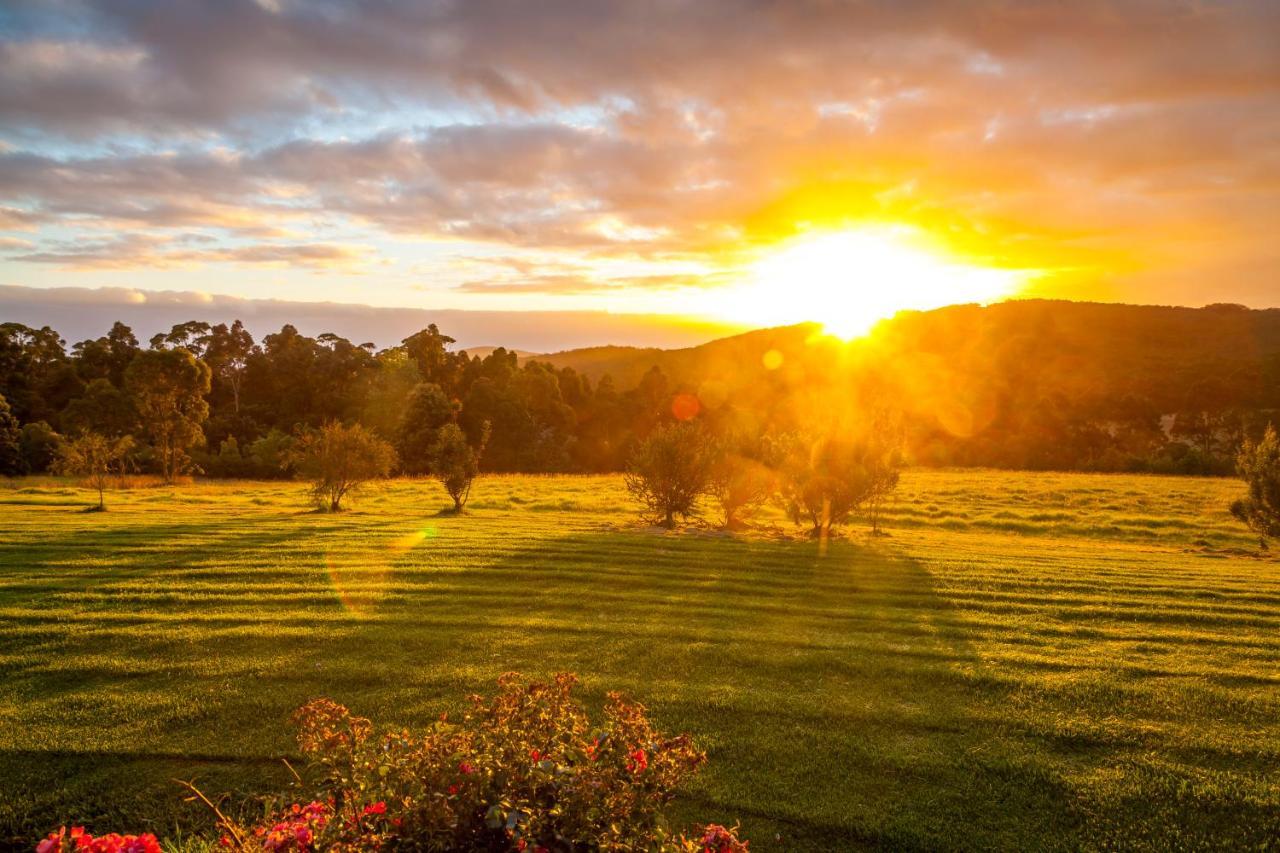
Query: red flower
x,y
535,755
377,808
453,789
111,843
639,761
466,768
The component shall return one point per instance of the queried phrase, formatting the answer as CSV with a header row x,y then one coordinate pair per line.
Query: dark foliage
x,y
1039,385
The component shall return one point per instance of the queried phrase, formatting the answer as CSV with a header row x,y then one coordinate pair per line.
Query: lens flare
x,y
361,585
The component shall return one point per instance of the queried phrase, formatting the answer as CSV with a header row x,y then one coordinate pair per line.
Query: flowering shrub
x,y
716,839
79,841
526,770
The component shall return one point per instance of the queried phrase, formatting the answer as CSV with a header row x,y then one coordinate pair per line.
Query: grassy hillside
x,y
1025,662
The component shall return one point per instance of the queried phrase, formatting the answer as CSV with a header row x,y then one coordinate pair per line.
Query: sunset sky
x,y
669,157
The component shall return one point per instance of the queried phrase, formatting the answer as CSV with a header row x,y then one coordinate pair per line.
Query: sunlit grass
x,y
1027,661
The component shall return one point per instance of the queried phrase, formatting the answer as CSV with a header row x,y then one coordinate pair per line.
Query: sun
x,y
850,280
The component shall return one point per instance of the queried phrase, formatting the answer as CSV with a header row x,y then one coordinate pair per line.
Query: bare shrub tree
x,y
740,481
339,460
96,458
670,470
1258,464
883,461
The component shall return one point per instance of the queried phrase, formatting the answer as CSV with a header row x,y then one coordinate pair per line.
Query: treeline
x,y
1028,385
210,399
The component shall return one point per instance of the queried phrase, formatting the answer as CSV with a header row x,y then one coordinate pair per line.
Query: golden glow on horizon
x,y
850,280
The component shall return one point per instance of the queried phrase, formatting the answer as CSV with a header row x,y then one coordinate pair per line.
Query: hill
x,y
1152,350
687,365
1027,384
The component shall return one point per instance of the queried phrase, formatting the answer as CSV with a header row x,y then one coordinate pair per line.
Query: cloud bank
x,y
1131,148
81,313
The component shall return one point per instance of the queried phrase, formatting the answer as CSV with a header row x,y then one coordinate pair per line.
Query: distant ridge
x,y
1078,350
627,364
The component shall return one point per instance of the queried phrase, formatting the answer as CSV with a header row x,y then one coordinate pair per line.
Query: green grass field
x,y
1026,661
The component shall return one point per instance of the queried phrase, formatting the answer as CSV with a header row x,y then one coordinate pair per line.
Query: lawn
x,y
1025,661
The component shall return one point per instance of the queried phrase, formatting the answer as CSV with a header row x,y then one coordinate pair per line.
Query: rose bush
x,y
526,770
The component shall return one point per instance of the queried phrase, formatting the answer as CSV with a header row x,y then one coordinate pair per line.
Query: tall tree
x,y
429,349
102,408
168,388
192,336
10,441
227,353
36,376
107,357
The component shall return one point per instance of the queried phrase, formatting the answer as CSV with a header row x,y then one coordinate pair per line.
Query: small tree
x,y
1258,464
885,471
883,461
740,484
670,470
339,460
823,482
96,458
455,462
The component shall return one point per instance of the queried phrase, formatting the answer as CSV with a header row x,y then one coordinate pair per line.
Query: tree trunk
x,y
670,521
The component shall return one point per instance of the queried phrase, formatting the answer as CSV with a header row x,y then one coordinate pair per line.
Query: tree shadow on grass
x,y
842,698
835,693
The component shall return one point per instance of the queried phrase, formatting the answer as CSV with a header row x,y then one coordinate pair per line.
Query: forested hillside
x,y
1028,384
